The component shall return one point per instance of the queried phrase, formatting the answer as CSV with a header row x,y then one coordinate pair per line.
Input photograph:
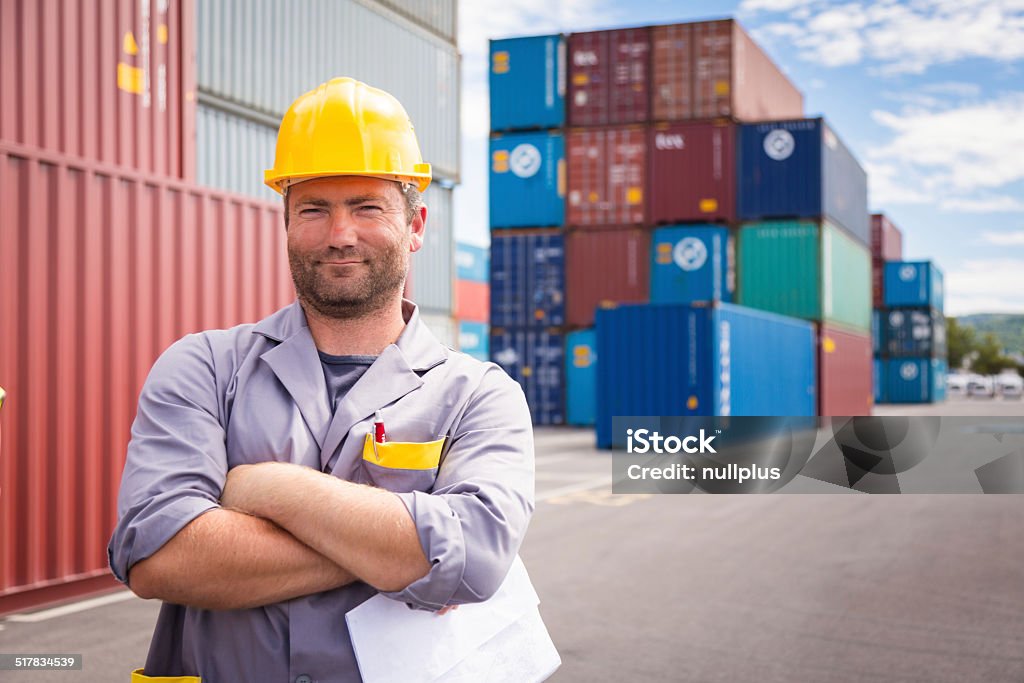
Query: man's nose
x,y
343,229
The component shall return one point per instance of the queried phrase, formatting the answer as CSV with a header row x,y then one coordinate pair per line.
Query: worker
x,y
281,473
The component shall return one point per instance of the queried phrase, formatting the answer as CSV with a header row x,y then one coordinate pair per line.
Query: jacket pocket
x,y
139,677
403,455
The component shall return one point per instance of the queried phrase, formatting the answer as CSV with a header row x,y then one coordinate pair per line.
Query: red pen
x,y
378,428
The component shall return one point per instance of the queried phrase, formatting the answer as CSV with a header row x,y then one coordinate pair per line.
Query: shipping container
x,y
438,16
534,358
668,359
431,281
609,75
801,169
692,172
913,283
117,266
528,279
527,179
713,69
691,263
604,267
232,152
474,339
112,81
886,239
878,377
877,331
261,57
472,300
877,283
844,372
914,332
443,326
914,380
607,168
527,83
472,263
581,377
805,269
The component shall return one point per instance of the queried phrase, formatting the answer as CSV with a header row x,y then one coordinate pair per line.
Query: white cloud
x,y
986,286
773,5
986,204
1004,239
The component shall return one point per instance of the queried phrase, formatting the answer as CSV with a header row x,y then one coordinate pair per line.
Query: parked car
x,y
1010,385
956,385
980,386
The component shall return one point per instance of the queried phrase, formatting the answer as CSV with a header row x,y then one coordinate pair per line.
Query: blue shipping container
x,y
877,370
913,283
534,358
581,377
474,339
527,180
876,331
666,359
527,82
528,280
915,380
472,263
800,169
692,263
915,332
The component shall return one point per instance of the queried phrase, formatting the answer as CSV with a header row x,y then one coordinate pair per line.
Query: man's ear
x,y
417,228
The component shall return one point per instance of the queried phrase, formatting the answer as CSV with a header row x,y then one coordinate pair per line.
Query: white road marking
x,y
574,488
73,608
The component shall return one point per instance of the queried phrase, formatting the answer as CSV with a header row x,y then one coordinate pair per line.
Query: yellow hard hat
x,y
345,127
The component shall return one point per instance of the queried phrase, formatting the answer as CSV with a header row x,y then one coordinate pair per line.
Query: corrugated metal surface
x,y
581,377
439,16
693,263
607,169
878,378
760,91
790,169
844,372
877,283
120,266
474,339
692,172
807,270
877,331
232,152
604,267
664,359
472,300
528,279
913,283
443,326
527,179
713,68
914,380
264,55
472,263
112,81
527,82
886,239
609,73
534,358
431,276
915,332
672,72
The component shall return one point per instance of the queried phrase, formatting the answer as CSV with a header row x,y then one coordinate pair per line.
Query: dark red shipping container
x,y
877,283
609,75
844,372
710,69
604,267
102,268
886,239
112,80
606,181
472,301
692,172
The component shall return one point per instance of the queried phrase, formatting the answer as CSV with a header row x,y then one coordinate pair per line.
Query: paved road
x,y
957,406
718,588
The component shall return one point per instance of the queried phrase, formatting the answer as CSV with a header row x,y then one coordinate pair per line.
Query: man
x,y
279,474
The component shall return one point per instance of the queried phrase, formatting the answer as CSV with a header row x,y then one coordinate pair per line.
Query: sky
x,y
928,94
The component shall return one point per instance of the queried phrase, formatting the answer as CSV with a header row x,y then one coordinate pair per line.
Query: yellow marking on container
x,y
580,79
592,197
634,195
500,63
721,87
500,161
538,314
828,344
691,403
130,78
161,34
561,177
708,205
664,253
527,371
129,45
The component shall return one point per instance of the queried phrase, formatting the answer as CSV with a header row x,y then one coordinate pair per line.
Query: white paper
x,y
395,643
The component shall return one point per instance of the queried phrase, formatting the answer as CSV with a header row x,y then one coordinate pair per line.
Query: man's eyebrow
x,y
313,201
364,198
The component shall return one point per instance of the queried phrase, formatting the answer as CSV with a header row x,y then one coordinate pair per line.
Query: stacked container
x,y
472,298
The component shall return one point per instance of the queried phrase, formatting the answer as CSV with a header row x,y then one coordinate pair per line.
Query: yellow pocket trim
x,y
139,677
403,455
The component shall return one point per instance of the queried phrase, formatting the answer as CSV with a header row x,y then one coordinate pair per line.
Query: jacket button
x,y
303,679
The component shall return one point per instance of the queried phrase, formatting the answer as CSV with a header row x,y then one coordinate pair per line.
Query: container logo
x,y
525,160
896,319
779,144
690,253
506,357
669,141
908,273
584,58
908,371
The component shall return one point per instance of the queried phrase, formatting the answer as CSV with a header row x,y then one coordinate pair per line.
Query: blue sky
x,y
929,95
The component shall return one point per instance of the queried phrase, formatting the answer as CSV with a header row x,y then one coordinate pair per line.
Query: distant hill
x,y
1009,328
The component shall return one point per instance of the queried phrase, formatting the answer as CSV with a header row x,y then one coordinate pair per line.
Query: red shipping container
x,y
472,301
605,267
844,372
886,239
877,283
112,80
692,172
609,76
710,69
606,176
102,268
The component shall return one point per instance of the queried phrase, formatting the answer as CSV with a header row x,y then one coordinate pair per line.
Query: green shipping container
x,y
805,269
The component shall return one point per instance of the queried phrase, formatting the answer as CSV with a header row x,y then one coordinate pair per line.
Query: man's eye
x,y
370,207
310,213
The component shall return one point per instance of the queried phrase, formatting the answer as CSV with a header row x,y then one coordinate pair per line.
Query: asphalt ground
x,y
710,588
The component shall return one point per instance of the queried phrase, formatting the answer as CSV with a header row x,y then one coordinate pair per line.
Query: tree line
x,y
983,352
